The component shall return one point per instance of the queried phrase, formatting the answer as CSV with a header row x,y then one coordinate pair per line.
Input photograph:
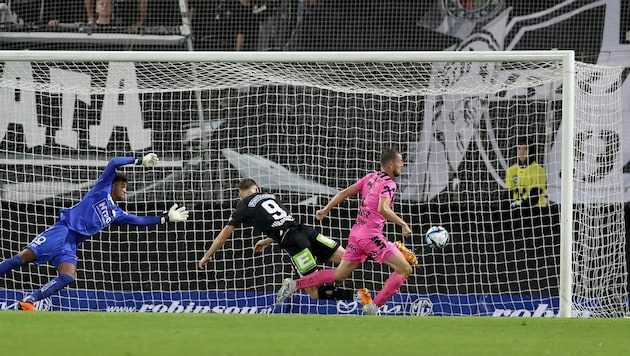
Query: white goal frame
x,y
567,59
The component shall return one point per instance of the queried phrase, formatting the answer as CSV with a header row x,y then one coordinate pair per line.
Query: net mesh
x,y
305,131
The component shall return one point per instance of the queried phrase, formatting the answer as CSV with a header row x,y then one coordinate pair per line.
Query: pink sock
x,y
390,288
316,279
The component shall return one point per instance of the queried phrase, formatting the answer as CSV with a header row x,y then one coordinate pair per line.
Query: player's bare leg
x,y
344,270
336,257
27,256
318,278
328,291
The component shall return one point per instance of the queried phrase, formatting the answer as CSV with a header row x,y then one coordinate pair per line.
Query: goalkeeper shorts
x,y
57,244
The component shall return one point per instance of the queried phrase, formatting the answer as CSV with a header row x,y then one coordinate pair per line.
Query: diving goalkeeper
x,y
96,211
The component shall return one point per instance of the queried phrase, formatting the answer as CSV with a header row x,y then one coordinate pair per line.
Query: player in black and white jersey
x,y
266,213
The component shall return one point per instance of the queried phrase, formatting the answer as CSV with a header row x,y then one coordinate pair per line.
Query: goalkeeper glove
x,y
175,214
517,203
149,160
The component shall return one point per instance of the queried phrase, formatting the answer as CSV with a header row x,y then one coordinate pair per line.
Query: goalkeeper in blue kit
x,y
96,211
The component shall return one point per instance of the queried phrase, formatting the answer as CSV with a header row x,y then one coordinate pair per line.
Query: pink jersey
x,y
373,186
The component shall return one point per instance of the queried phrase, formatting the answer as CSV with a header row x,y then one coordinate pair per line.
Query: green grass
x,y
99,333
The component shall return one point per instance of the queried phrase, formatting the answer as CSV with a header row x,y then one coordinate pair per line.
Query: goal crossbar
x,y
287,57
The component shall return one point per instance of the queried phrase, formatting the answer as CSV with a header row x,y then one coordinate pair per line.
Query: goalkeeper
x,y
96,211
526,180
304,244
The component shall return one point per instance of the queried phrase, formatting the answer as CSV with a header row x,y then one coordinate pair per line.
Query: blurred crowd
x,y
314,25
240,25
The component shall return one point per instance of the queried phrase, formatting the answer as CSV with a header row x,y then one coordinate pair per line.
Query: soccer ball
x,y
437,237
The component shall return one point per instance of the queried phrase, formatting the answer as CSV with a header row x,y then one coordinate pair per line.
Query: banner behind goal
x,y
304,126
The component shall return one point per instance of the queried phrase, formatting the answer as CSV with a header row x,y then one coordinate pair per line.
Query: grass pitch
x,y
100,333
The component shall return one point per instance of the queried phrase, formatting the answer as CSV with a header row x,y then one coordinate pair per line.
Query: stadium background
x,y
331,26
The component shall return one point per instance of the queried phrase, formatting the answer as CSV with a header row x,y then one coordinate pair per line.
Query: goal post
x,y
305,125
566,198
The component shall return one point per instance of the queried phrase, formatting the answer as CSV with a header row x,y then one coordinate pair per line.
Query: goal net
x,y
304,126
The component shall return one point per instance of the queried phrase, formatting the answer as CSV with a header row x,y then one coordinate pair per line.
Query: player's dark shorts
x,y
304,244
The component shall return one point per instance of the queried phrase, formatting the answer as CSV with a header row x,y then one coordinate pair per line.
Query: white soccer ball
x,y
437,237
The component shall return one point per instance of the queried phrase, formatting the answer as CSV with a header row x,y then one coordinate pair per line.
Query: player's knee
x,y
336,257
341,276
27,255
67,268
405,270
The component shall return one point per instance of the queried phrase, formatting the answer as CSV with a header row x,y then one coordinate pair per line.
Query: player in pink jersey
x,y
366,236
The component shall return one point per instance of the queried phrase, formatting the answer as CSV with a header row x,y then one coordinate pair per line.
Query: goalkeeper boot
x,y
26,306
409,256
288,288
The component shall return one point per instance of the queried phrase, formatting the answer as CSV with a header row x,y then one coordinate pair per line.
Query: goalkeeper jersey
x,y
265,213
97,209
521,179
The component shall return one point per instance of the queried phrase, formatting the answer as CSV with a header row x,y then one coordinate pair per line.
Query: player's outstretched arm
x,y
336,200
216,244
174,214
109,173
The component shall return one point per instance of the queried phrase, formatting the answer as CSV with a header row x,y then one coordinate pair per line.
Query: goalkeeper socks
x,y
390,288
52,287
10,264
329,292
316,279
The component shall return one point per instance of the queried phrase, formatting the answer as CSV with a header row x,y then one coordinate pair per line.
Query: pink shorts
x,y
360,246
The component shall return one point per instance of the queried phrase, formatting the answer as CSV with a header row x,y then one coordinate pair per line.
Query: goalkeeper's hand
x,y
175,214
517,203
149,160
